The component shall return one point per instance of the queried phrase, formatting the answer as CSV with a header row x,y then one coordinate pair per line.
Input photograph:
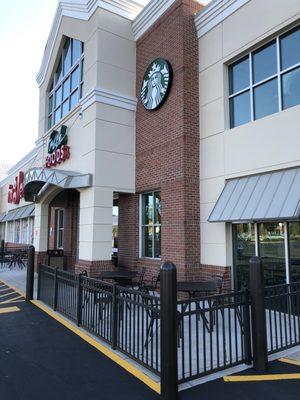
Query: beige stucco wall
x,y
263,145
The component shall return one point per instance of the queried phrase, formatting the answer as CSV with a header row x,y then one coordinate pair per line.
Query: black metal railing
x,y
127,319
282,307
213,334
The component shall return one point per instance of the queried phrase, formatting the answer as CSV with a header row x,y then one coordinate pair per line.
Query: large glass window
x,y
244,249
151,225
67,83
266,81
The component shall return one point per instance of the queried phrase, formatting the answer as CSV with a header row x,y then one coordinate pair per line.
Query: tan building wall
x,y
267,144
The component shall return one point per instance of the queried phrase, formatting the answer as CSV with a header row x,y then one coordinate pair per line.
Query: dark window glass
x,y
49,122
76,50
294,247
75,79
291,88
50,104
157,208
58,96
239,77
290,49
147,241
272,252
243,250
67,56
264,62
266,99
157,242
148,209
240,111
74,99
59,73
66,88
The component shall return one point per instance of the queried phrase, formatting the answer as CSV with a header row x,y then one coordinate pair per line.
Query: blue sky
x,y
24,28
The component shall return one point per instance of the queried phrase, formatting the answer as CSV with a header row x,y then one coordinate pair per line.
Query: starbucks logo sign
x,y
156,84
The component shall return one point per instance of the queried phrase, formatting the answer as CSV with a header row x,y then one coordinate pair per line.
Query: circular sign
x,y
156,84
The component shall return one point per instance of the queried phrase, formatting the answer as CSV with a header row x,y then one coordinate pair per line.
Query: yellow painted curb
x,y
289,361
104,350
13,288
9,310
257,378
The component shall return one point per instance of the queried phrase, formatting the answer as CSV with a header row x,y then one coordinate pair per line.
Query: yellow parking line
x,y
19,291
290,361
110,354
256,378
7,294
3,290
8,310
11,300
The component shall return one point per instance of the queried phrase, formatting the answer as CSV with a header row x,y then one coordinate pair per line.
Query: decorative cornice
x,y
83,10
214,13
149,15
110,98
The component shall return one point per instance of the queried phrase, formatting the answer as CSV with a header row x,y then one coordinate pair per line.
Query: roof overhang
x,y
263,197
36,178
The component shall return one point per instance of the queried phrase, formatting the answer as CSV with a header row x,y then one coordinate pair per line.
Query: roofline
x,y
83,10
215,13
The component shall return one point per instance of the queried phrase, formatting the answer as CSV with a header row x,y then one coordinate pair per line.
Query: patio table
x,y
117,275
192,288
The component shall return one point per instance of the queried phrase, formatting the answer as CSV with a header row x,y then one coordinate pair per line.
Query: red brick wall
x,y
167,147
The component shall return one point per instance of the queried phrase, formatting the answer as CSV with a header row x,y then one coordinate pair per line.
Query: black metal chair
x,y
139,281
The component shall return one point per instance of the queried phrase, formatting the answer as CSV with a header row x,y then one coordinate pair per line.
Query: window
x,y
151,225
266,81
67,82
276,243
59,222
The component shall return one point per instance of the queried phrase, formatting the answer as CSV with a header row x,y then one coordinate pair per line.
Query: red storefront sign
x,y
16,191
58,156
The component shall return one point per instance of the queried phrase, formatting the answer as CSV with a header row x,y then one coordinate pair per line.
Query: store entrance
x,y
63,229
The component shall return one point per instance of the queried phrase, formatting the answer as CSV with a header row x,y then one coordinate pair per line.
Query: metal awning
x,y
19,213
270,196
36,178
2,215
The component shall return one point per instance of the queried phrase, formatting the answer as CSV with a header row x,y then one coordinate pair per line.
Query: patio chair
x,y
139,281
154,285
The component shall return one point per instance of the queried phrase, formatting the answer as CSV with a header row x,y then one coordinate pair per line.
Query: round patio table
x,y
192,287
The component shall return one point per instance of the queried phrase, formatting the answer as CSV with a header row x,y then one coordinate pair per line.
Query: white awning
x,y
269,196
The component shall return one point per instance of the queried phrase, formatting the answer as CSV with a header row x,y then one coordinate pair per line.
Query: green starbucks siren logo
x,y
156,84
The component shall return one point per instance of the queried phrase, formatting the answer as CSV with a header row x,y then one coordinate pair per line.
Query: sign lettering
x,y
16,190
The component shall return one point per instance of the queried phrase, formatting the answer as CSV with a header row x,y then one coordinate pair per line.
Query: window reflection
x,y
244,249
272,252
294,249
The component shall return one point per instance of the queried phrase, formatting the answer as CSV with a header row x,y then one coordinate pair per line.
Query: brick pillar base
x,y
93,268
41,257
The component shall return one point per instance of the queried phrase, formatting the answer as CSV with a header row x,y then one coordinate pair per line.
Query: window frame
x,y
252,86
59,84
142,225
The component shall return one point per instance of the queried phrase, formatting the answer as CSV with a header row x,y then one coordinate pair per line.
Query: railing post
x,y
30,274
55,289
79,300
114,318
247,333
168,332
259,333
